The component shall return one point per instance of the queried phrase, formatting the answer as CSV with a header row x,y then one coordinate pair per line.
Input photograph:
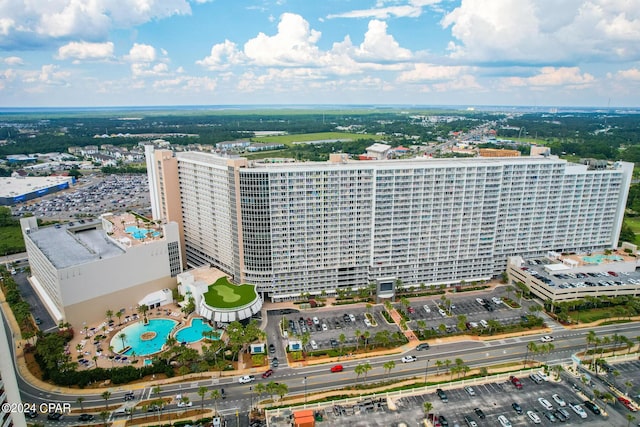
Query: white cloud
x,y
13,61
412,9
48,75
141,53
293,45
86,50
553,77
380,46
629,74
431,72
222,56
544,31
39,21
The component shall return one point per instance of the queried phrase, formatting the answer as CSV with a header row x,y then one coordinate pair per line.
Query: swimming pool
x,y
143,339
193,332
599,259
140,233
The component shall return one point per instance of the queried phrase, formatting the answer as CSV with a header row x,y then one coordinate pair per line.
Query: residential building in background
x,y
86,267
313,227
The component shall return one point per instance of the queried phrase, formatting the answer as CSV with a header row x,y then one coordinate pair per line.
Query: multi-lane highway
x,y
239,397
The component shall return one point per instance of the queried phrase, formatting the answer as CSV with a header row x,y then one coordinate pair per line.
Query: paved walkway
x,y
398,319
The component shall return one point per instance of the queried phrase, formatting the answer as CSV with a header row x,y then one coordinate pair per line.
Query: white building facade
x,y
312,227
81,270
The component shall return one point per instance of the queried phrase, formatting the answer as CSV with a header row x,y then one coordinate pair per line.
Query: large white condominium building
x,y
311,227
84,268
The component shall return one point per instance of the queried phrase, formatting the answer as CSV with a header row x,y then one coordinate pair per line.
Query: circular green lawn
x,y
223,294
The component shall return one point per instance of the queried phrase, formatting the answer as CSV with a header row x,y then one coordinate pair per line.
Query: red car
x,y
337,368
267,373
627,403
516,382
411,310
309,321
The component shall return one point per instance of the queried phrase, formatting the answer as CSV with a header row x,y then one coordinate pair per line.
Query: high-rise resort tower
x,y
309,227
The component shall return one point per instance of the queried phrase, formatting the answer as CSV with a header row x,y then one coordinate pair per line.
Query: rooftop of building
x,y
87,240
74,243
15,186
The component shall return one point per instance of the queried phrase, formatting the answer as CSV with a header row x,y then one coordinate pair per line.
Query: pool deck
x,y
579,258
89,350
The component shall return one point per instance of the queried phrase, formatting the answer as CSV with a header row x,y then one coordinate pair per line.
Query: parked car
x,y
470,421
559,415
442,395
545,403
534,417
55,416
246,379
352,318
575,407
443,421
479,413
516,382
31,414
411,310
267,373
504,421
470,391
516,407
592,407
548,415
337,368
559,400
627,404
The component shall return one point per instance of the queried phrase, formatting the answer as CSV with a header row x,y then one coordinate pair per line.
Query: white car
x,y
470,391
409,359
545,404
504,421
182,404
546,338
578,410
314,345
534,417
352,318
480,301
426,308
246,379
367,322
316,321
325,327
442,312
542,375
496,300
560,401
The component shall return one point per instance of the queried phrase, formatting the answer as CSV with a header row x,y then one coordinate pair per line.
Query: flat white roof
x,y
12,187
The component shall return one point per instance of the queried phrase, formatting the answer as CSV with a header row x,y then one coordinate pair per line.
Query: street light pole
x,y
426,372
251,396
305,390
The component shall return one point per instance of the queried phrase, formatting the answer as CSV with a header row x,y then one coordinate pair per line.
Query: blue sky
x,y
424,52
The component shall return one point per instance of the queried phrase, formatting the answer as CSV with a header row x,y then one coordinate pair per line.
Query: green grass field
x,y
223,294
634,223
11,241
290,139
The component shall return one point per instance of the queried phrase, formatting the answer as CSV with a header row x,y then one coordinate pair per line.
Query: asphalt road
x,y
319,378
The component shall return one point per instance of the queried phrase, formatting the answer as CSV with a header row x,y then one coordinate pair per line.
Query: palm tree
x,y
357,334
591,337
119,316
342,338
366,368
215,395
427,407
359,370
202,391
531,347
629,419
259,389
106,395
388,366
366,335
109,314
104,415
439,364
79,401
122,336
628,385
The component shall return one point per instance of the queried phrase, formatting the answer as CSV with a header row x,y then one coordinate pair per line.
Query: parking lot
x,y
494,399
469,306
325,327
